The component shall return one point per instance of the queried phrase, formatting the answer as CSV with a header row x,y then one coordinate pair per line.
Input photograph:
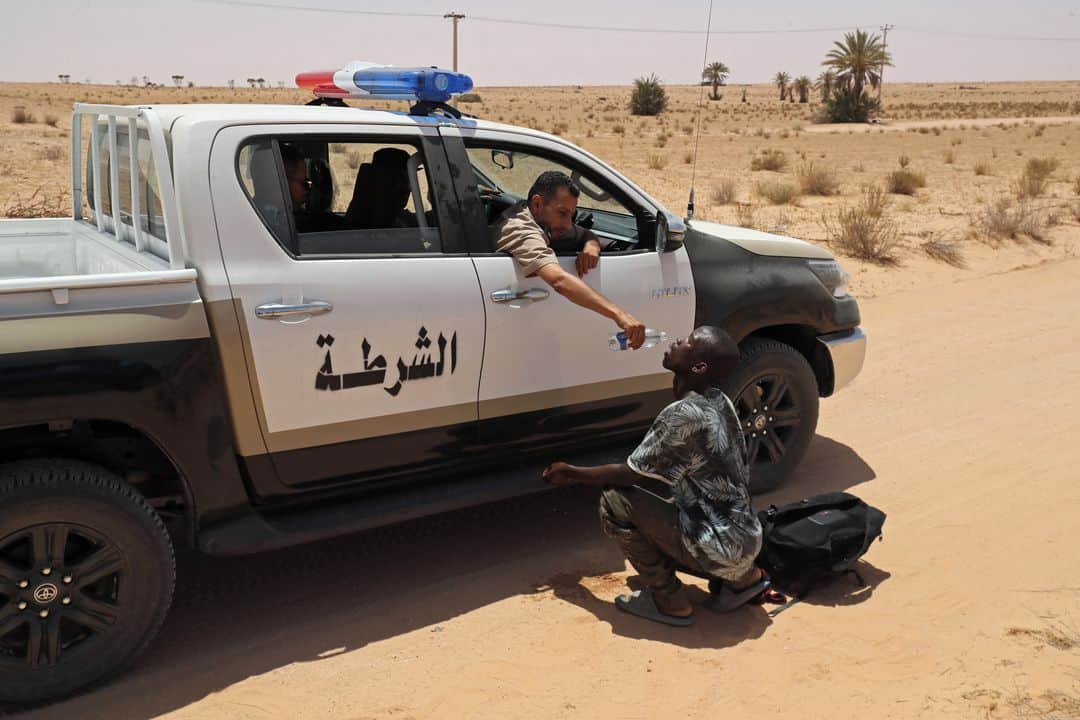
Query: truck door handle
x,y
270,311
530,295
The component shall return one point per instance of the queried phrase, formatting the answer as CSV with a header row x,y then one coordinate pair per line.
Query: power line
x,y
642,30
527,23
307,8
985,36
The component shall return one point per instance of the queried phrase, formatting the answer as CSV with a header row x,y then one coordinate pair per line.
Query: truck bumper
x,y
846,351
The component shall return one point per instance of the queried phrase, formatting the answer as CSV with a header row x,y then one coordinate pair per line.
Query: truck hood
x,y
761,243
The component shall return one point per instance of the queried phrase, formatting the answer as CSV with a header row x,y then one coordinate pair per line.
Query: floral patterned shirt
x,y
695,445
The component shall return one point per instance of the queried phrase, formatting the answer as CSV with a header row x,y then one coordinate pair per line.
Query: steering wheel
x,y
596,194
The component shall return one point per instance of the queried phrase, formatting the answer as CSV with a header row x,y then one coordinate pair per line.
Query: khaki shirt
x,y
518,233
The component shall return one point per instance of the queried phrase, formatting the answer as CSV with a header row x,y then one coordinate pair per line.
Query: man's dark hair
x,y
290,157
719,351
550,181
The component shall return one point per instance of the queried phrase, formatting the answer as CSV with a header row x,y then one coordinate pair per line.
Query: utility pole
x,y
455,17
884,47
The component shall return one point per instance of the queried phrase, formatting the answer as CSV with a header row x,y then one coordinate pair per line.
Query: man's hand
x,y
588,257
635,331
559,474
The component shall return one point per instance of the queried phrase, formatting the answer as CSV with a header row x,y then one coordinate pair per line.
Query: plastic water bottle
x,y
617,342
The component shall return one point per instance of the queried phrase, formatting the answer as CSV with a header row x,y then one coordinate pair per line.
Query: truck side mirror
x,y
667,239
503,159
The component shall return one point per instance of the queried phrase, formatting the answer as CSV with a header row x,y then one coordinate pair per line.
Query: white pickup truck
x,y
195,356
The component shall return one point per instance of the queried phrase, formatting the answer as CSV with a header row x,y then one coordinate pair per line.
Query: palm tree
x,y
826,81
858,61
715,73
803,85
781,81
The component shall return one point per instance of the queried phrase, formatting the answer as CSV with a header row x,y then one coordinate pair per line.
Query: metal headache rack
x,y
126,227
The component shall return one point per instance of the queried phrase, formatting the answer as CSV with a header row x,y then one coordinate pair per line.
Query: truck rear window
x,y
347,196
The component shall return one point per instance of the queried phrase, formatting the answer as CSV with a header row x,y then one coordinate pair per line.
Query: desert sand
x,y
961,427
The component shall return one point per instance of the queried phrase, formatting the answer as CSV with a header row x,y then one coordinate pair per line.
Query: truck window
x,y
332,197
505,173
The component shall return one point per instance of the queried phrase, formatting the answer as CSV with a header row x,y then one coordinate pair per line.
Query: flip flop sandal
x,y
768,595
725,599
642,604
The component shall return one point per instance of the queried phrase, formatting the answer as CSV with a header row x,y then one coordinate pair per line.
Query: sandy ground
x,y
961,428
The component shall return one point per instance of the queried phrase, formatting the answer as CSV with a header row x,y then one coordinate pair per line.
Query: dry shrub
x,y
470,98
1036,176
22,116
770,159
353,159
1074,210
338,148
688,157
904,161
861,233
817,180
875,200
1003,220
618,129
949,157
904,181
724,193
40,204
744,215
1041,167
1076,185
945,250
982,168
51,120
657,161
776,192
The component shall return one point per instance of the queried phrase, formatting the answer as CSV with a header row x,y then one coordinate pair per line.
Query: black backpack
x,y
805,543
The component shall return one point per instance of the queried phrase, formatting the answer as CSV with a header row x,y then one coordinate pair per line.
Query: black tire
x,y
777,438
109,584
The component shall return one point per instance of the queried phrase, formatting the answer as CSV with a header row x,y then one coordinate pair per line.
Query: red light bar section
x,y
321,83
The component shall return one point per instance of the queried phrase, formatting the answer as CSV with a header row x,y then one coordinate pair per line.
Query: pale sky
x,y
209,42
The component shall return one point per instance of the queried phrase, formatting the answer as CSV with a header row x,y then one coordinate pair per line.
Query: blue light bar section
x,y
425,84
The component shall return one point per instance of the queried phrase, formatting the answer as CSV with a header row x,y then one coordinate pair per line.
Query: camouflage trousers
x,y
646,528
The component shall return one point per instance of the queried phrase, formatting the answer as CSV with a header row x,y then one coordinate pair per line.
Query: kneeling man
x,y
702,521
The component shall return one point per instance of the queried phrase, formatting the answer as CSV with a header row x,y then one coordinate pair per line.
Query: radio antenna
x,y
701,98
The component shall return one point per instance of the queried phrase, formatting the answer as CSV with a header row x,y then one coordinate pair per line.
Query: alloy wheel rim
x,y
59,592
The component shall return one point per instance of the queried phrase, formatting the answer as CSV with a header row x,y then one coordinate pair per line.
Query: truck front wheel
x,y
86,577
776,398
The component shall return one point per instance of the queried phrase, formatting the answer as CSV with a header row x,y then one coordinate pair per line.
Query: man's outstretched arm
x,y
576,291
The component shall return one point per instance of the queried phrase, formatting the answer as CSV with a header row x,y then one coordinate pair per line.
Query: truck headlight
x,y
831,275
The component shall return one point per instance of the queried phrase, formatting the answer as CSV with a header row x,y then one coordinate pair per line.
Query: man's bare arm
x,y
576,291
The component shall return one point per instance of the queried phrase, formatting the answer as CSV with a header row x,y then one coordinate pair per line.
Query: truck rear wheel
x,y
775,395
86,577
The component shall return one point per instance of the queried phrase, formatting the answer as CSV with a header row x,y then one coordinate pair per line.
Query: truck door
x,y
549,377
361,313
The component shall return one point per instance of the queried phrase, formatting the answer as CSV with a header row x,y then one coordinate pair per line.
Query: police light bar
x,y
385,82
